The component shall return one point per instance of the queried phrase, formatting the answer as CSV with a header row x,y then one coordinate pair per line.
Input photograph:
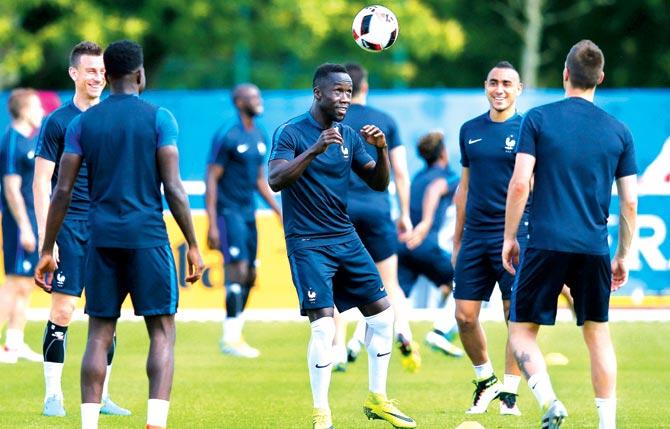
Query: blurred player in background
x,y
487,145
370,212
432,192
87,70
130,150
311,161
575,150
19,227
234,172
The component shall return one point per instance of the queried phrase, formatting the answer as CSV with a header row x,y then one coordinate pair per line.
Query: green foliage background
x,y
278,43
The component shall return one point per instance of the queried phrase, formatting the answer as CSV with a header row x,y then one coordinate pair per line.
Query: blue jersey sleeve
x,y
465,162
627,165
528,134
166,128
51,136
72,136
8,154
283,145
392,138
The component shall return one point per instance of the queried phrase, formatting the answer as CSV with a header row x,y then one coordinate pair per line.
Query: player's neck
x,y
586,94
319,117
126,85
22,127
83,102
247,121
502,116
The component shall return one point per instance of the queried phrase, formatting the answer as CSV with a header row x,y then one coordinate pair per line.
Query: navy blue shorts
x,y
376,230
72,243
239,238
148,275
342,275
479,266
18,262
429,260
541,276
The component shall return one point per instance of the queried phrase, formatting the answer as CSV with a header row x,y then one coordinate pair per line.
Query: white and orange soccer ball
x,y
375,28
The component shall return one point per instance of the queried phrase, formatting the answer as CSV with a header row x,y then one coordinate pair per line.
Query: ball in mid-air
x,y
375,28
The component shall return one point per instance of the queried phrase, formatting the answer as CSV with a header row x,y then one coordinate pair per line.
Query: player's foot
x,y
353,349
440,343
321,419
452,335
53,407
8,356
485,391
239,349
508,406
554,415
410,357
378,406
111,409
24,352
340,367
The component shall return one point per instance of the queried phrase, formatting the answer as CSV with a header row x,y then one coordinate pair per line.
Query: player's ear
x,y
317,93
73,72
601,78
566,74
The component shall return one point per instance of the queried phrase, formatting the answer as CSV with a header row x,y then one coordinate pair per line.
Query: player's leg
x,y
110,407
512,377
24,285
8,294
160,367
340,355
93,368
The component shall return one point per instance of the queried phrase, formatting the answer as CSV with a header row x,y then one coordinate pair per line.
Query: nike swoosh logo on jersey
x,y
323,366
474,141
383,354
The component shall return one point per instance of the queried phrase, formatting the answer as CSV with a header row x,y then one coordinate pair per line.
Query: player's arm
x,y
460,201
398,157
214,173
627,190
266,192
285,172
431,200
11,185
517,197
44,170
375,174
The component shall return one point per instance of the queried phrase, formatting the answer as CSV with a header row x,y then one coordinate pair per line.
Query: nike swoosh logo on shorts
x,y
383,354
323,366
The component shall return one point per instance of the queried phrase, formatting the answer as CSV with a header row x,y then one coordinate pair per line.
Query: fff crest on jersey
x,y
510,143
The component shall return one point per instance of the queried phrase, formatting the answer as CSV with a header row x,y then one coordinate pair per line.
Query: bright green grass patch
x,y
215,391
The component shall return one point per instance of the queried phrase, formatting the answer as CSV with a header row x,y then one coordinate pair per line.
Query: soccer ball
x,y
375,28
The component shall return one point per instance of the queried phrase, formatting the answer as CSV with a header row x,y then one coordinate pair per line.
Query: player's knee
x,y
61,313
465,320
323,330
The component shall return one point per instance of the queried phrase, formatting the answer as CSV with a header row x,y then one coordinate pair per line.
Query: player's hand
x,y
213,239
374,136
619,273
510,255
417,236
54,252
44,272
328,137
454,253
404,225
195,265
27,239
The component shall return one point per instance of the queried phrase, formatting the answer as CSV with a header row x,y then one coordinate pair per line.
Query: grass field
x,y
215,391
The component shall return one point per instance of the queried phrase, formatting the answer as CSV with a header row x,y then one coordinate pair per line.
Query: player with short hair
x,y
87,70
432,192
234,172
576,151
311,160
370,212
129,146
487,155
17,158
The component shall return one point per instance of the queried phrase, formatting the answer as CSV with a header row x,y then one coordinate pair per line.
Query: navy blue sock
x,y
234,303
54,343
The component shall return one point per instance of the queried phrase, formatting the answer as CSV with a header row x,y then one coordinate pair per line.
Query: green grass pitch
x,y
216,391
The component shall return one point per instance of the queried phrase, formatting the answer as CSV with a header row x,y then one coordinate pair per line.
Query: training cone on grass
x,y
470,425
556,359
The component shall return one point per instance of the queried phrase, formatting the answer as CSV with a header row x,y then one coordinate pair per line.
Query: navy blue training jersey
x,y
240,152
579,150
420,184
118,139
315,206
359,192
488,150
17,156
50,145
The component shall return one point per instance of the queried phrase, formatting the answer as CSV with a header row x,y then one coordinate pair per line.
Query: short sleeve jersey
x,y
314,206
420,184
119,140
579,150
240,153
360,194
17,156
50,145
488,151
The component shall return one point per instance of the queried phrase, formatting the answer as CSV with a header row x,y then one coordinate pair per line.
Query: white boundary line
x,y
293,315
